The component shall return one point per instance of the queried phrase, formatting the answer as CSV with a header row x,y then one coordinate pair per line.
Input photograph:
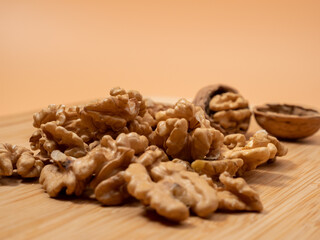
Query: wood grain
x,y
289,189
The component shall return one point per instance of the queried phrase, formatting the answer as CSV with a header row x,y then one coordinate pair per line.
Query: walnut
x,y
51,137
19,158
234,140
153,108
110,187
141,125
74,129
184,132
226,109
233,121
131,140
112,190
170,189
54,180
152,155
258,150
100,170
227,101
215,168
237,195
287,121
48,114
186,164
114,112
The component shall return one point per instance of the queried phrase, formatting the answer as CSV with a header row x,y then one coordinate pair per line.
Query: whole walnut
x,y
226,109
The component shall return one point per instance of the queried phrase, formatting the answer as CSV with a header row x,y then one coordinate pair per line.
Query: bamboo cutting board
x,y
289,190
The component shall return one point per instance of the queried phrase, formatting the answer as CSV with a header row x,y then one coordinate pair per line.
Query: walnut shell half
x,y
287,121
226,109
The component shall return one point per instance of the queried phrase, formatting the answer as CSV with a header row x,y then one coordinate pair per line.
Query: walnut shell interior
x,y
287,121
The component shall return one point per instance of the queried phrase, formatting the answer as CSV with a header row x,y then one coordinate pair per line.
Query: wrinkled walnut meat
x,y
226,109
236,194
71,130
173,158
101,169
184,132
259,149
170,189
22,159
213,169
113,113
239,155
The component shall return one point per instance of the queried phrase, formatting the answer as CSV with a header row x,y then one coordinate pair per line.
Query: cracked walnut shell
x,y
226,109
287,121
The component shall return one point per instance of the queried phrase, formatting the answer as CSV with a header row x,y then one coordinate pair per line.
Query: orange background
x,y
70,51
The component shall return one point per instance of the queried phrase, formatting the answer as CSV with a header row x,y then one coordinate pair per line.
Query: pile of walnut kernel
x,y
167,156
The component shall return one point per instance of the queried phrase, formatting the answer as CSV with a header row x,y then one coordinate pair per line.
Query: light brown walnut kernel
x,y
234,140
227,101
262,138
48,114
253,157
134,141
152,156
19,158
97,161
153,107
215,168
259,149
114,112
112,191
6,159
182,109
101,163
54,180
141,125
71,142
233,120
174,190
237,195
185,164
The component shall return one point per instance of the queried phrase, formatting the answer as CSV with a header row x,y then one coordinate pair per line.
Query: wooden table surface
x,y
289,190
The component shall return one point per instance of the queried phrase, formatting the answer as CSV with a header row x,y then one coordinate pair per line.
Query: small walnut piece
x,y
237,195
234,140
112,191
54,180
152,156
233,121
19,158
215,168
227,101
226,109
174,190
287,121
